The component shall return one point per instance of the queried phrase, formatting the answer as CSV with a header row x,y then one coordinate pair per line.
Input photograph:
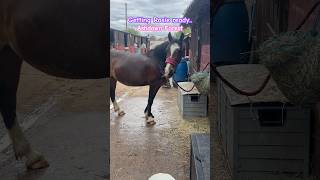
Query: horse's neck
x,y
157,56
160,60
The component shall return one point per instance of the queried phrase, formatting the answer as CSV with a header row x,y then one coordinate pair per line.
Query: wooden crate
x,y
263,136
200,157
191,104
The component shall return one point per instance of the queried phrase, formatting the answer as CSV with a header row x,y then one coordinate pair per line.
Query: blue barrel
x,y
230,34
181,73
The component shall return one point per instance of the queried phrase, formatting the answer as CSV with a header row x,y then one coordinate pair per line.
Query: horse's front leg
x,y
113,85
10,65
154,88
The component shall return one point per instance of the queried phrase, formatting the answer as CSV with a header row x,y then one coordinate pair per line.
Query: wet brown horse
x,y
61,38
139,70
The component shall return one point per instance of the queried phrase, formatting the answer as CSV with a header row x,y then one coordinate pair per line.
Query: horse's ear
x,y
170,37
181,37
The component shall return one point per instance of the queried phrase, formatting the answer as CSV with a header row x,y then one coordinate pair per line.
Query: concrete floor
x,y
137,151
65,120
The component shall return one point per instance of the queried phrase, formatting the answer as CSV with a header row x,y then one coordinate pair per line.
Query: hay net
x,y
293,61
201,80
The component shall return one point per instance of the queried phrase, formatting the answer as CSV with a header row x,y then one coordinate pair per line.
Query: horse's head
x,y
174,54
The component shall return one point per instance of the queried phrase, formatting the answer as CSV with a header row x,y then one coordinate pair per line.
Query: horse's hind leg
x,y
10,65
113,85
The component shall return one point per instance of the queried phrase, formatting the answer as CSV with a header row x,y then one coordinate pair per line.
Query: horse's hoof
x,y
37,163
21,149
121,113
150,121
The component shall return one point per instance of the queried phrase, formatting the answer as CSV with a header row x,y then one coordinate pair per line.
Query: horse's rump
x,y
61,38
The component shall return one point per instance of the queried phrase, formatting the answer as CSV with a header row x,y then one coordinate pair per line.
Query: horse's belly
x,y
134,79
133,75
133,82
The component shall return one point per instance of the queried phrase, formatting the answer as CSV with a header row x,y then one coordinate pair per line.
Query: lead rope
x,y
193,84
253,93
213,66
308,15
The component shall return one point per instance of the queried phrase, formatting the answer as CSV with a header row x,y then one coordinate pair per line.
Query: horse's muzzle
x,y
168,71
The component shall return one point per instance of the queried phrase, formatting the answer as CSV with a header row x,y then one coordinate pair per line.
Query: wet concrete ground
x,y
66,120
137,151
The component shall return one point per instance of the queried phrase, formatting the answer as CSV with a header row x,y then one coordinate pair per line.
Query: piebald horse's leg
x,y
113,85
154,88
10,65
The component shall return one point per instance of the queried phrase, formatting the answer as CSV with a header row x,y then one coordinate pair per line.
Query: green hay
x,y
293,61
201,80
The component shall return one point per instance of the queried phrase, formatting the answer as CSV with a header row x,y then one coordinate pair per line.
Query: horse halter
x,y
172,61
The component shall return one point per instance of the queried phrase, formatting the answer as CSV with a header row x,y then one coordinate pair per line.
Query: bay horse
x,y
152,69
61,38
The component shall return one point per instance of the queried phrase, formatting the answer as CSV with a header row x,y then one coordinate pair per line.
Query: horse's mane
x,y
159,53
